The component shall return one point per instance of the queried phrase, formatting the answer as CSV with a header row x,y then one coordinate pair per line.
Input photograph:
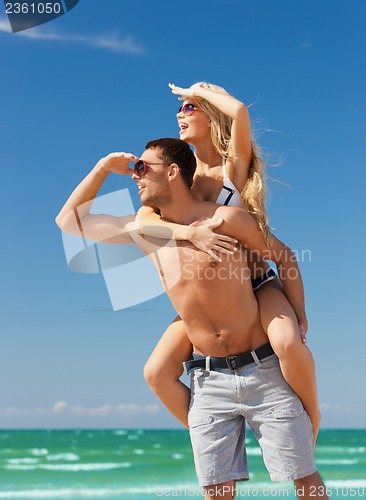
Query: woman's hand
x,y
117,163
185,93
303,331
204,238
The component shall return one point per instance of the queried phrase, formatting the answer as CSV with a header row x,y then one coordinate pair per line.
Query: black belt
x,y
233,362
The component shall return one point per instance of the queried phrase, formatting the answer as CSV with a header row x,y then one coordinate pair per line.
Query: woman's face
x,y
194,127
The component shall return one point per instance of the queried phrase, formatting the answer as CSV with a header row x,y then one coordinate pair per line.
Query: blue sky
x,y
95,81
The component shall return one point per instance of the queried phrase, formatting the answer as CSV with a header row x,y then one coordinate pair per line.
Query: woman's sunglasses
x,y
141,166
188,109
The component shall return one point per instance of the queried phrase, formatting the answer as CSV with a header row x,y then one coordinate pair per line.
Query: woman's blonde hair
x,y
255,189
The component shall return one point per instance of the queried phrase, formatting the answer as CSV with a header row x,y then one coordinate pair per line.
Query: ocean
x,y
150,464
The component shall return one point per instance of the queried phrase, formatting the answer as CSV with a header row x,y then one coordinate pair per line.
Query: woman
x,y
231,172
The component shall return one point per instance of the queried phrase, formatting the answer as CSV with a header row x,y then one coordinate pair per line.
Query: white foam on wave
x,y
356,449
70,467
254,451
348,483
25,460
340,461
340,449
119,433
101,492
70,457
20,467
39,452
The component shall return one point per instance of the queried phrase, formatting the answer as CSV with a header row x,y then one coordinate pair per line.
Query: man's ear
x,y
173,171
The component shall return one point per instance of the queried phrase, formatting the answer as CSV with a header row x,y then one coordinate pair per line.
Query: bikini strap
x,y
224,166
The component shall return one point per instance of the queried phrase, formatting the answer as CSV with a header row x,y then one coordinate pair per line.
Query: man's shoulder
x,y
234,217
229,212
220,209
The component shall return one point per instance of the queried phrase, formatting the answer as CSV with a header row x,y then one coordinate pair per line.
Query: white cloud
x,y
132,408
336,407
59,406
80,410
112,42
56,408
103,410
5,26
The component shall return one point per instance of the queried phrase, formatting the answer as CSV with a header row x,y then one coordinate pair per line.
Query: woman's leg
x,y
164,367
296,361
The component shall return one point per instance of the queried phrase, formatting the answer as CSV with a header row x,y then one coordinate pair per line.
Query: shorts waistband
x,y
233,362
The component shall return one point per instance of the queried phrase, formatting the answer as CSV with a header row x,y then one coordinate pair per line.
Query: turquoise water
x,y
151,464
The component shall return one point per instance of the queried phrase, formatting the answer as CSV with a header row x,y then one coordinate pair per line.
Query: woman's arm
x,y
237,165
151,224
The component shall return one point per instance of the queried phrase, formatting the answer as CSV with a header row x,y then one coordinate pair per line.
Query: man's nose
x,y
135,176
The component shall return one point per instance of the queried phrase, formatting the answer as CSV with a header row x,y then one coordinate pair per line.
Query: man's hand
x,y
117,163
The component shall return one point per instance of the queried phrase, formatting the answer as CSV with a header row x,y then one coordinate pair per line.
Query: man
x,y
235,374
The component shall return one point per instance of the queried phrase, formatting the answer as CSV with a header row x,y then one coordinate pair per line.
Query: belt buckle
x,y
231,362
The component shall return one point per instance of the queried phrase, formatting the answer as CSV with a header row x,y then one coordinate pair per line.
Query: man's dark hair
x,y
176,151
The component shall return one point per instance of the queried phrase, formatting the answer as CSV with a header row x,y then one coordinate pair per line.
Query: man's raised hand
x,y
117,163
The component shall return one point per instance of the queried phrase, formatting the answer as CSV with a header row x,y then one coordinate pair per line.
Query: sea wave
x,y
97,492
70,467
346,483
340,461
254,451
25,460
39,452
340,449
63,493
160,490
70,457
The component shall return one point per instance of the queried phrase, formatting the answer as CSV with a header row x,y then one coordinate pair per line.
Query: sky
x,y
95,81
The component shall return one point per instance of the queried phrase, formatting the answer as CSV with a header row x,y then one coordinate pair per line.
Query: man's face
x,y
153,184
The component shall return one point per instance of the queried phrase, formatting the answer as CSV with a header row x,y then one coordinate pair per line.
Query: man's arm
x,y
75,216
240,225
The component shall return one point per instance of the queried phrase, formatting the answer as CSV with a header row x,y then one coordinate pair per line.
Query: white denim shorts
x,y
222,401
